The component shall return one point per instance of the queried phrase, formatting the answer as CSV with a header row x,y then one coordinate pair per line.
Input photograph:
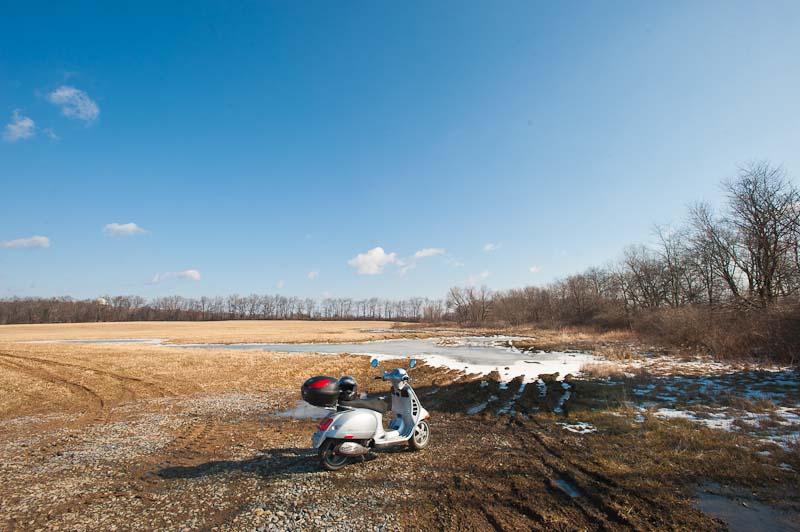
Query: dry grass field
x,y
215,332
149,437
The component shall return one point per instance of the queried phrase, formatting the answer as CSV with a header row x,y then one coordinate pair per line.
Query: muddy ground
x,y
139,437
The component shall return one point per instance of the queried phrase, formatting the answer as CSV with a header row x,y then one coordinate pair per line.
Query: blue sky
x,y
252,146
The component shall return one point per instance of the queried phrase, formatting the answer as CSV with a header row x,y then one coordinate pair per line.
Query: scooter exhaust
x,y
351,448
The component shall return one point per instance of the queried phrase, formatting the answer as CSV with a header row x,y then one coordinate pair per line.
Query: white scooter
x,y
354,428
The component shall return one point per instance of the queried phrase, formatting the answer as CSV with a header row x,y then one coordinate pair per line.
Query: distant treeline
x,y
234,307
726,282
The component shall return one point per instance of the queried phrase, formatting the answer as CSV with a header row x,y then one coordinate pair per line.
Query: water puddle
x,y
508,408
568,488
477,409
745,515
153,341
488,350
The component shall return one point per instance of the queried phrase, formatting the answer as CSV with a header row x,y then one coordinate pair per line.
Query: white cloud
x,y
535,269
313,274
406,267
280,284
372,262
128,229
473,280
21,127
32,242
74,103
50,133
192,275
409,264
491,246
428,252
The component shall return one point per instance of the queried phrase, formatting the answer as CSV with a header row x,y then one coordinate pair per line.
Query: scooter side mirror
x,y
412,363
374,363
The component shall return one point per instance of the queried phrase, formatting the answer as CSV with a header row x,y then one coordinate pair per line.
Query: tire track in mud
x,y
505,503
96,405
616,492
600,499
157,390
497,497
594,507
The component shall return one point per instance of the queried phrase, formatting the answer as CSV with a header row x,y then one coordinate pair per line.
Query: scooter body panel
x,y
357,424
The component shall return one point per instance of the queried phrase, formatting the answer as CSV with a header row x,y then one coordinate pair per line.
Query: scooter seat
x,y
378,405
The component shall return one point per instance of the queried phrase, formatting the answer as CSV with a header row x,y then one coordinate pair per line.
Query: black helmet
x,y
348,388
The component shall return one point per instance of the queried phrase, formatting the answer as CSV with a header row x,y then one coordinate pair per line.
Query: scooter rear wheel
x,y
328,457
421,437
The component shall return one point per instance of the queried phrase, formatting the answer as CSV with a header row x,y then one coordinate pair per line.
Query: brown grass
x,y
176,371
602,370
215,332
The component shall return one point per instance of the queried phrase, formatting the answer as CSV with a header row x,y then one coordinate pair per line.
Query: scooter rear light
x,y
325,423
319,384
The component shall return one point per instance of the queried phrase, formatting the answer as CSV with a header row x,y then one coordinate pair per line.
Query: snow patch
x,y
510,405
579,427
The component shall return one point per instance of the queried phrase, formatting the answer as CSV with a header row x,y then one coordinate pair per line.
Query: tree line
x,y
233,307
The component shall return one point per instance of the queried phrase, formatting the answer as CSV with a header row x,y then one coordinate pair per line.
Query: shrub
x,y
727,332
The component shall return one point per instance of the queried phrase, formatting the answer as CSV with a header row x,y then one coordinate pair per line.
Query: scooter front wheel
x,y
421,437
328,457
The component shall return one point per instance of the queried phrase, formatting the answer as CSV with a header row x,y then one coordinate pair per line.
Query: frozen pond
x,y
153,341
473,354
477,354
486,350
